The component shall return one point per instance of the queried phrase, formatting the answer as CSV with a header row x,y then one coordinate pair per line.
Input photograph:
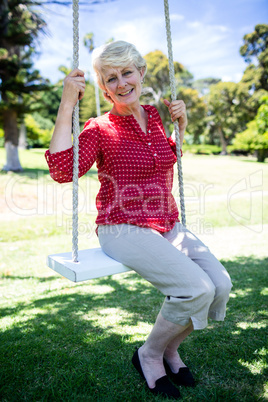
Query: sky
x,y
206,34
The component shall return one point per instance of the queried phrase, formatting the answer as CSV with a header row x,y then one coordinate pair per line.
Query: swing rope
x,y
173,97
76,124
75,134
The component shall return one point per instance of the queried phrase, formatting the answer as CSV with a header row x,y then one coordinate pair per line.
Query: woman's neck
x,y
125,110
138,113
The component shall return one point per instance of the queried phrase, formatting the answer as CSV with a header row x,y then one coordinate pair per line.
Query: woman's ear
x,y
107,96
142,74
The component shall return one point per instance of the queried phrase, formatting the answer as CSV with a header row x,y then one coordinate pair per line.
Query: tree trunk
x,y
223,142
11,141
23,137
262,154
12,158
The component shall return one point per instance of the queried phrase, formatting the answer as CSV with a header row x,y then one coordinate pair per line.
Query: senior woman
x,y
137,222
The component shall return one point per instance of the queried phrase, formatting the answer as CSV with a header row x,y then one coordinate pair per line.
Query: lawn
x,y
61,341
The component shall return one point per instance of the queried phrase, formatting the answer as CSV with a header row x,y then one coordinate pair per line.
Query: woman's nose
x,y
121,82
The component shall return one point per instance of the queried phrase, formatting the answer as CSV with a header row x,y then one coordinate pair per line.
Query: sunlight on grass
x,y
259,364
251,325
264,292
243,293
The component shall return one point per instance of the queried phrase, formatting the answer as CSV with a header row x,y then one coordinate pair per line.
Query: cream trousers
x,y
195,283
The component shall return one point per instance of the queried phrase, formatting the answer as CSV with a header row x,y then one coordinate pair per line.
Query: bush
x,y
202,149
255,137
39,130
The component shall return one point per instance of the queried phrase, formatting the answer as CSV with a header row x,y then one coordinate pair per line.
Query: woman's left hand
x,y
177,110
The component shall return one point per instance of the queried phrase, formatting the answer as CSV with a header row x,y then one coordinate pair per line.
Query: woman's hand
x,y
73,88
177,110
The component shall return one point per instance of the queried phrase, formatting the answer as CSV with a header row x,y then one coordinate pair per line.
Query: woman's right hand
x,y
73,88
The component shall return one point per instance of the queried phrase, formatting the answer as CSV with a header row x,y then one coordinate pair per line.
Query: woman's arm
x,y
73,90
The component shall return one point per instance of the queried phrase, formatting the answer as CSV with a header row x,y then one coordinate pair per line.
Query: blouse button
x,y
149,131
149,143
155,154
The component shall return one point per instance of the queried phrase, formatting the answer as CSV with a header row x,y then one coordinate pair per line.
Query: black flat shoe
x,y
162,387
183,377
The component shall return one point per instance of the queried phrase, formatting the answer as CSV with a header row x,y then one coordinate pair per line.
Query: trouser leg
x,y
192,247
188,288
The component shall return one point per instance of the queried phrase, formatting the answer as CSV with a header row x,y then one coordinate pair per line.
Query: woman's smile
x,y
127,92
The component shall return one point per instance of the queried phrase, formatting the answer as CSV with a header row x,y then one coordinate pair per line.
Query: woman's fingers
x,y
74,86
76,72
177,110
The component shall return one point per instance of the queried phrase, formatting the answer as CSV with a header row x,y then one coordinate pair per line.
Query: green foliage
x,y
202,149
255,137
157,76
20,24
39,130
203,85
47,102
2,134
89,42
255,48
262,116
229,110
196,112
157,83
245,141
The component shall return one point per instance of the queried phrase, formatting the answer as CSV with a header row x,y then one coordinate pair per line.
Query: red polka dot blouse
x,y
135,169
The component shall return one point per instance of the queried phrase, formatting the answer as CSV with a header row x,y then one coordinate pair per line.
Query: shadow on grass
x,y
72,346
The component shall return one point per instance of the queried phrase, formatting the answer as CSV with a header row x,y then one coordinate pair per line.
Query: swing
x,y
94,263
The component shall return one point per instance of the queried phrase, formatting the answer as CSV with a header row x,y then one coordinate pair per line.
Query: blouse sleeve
x,y
172,144
61,163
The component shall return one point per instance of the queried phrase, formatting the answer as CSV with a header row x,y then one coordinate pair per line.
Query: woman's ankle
x,y
174,360
150,353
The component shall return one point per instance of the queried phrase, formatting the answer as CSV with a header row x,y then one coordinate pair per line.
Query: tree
x,y
196,112
89,44
255,137
20,25
157,84
92,104
229,110
203,85
255,52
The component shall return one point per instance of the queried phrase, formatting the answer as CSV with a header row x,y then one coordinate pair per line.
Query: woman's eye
x,y
111,79
127,72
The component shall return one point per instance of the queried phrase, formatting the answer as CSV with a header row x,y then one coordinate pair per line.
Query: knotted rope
x,y
76,130
173,97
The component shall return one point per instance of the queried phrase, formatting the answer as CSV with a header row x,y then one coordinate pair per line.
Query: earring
x,y
142,81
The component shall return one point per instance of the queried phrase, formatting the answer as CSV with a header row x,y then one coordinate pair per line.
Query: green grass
x,y
61,341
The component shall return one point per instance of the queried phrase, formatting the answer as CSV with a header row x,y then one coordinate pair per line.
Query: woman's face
x,y
123,84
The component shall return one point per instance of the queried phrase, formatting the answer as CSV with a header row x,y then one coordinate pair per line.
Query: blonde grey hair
x,y
116,54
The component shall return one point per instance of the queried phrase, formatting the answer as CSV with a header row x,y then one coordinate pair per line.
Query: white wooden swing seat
x,y
92,263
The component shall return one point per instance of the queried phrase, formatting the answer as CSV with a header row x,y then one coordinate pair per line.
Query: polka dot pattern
x,y
135,169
